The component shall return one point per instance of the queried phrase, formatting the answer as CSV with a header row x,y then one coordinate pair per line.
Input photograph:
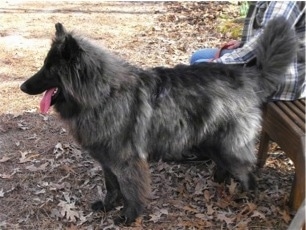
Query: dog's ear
x,y
60,30
71,48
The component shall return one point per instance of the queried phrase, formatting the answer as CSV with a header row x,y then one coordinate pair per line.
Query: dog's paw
x,y
128,215
249,184
221,175
98,206
124,220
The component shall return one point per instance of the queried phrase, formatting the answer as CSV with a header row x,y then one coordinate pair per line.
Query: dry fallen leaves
x,y
68,211
4,159
49,182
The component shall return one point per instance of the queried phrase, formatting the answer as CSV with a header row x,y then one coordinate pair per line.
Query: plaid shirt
x,y
258,16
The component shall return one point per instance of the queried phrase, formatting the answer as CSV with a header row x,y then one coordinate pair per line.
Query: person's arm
x,y
243,55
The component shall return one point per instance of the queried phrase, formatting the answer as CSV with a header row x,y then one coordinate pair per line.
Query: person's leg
x,y
203,55
206,55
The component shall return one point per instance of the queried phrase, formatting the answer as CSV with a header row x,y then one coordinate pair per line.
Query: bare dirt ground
x,y
48,182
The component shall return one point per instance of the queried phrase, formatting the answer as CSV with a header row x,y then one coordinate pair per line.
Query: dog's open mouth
x,y
46,101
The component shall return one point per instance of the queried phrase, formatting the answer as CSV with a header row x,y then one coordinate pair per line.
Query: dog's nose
x,y
23,88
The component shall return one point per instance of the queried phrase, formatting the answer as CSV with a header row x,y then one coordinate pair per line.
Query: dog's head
x,y
54,78
75,72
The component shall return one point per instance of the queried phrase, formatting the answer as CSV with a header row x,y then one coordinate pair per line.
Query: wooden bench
x,y
298,222
284,123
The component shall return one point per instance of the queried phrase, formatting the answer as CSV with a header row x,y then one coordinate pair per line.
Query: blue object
x,y
206,54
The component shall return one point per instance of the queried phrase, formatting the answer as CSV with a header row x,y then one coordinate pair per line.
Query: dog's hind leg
x,y
234,146
113,195
228,162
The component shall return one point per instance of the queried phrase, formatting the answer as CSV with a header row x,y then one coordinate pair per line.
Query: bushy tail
x,y
276,50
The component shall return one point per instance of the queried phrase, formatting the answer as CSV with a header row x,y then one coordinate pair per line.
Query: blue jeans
x,y
205,55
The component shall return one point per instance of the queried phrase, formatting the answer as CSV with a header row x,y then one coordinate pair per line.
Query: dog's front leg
x,y
113,195
134,181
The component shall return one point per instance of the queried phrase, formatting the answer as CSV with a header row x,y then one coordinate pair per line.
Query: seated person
x,y
259,14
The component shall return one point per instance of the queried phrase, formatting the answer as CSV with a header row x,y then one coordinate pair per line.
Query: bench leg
x,y
263,149
297,194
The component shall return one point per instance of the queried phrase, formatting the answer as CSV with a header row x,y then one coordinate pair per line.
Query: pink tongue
x,y
45,102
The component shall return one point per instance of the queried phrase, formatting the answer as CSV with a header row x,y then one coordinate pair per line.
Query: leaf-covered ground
x,y
48,182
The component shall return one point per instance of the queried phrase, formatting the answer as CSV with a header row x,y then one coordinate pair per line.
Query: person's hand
x,y
233,44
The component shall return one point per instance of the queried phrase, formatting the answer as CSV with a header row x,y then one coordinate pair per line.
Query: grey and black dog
x,y
124,115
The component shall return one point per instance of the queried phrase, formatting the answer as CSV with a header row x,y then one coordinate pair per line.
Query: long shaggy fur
x,y
124,115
